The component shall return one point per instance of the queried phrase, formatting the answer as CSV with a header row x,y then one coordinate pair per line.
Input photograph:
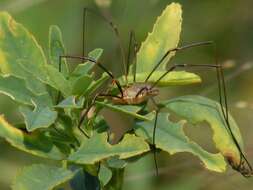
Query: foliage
x,y
50,121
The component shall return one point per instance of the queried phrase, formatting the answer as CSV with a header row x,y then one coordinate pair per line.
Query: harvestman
x,y
141,92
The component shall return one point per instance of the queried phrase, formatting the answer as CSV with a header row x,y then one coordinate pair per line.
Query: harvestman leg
x,y
225,115
153,138
220,75
132,42
116,32
86,58
84,32
155,125
221,85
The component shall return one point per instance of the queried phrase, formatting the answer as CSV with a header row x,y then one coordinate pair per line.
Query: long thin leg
x,y
154,135
220,75
221,85
187,47
220,78
141,90
132,41
117,34
174,50
245,171
85,58
84,31
83,116
175,66
129,50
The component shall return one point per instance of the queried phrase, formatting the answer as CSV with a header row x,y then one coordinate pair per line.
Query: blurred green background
x,y
228,22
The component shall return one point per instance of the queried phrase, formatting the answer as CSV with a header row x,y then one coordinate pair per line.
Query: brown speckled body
x,y
133,96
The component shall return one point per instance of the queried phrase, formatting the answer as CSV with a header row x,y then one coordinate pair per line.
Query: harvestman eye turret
x,y
141,92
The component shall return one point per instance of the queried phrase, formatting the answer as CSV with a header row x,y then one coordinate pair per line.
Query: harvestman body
x,y
141,92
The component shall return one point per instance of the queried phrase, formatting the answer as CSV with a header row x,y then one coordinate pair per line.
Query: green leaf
x,y
17,44
104,175
71,102
197,109
84,69
171,138
40,117
165,36
16,89
97,148
41,177
57,49
125,109
36,86
51,76
33,143
172,78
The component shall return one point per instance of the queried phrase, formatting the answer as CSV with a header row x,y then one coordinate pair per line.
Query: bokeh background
x,y
228,22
